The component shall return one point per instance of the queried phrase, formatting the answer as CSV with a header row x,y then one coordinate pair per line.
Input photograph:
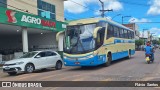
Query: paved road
x,y
134,69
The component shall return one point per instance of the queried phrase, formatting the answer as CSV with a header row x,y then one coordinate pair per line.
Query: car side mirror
x,y
38,56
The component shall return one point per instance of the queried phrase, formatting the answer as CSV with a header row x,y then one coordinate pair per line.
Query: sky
x,y
145,13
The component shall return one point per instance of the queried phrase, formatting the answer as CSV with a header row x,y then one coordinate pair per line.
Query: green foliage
x,y
155,41
139,42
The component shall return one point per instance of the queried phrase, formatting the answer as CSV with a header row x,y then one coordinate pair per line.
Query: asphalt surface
x,y
134,69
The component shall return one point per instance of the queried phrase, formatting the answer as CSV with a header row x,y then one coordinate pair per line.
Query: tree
x,y
139,43
156,42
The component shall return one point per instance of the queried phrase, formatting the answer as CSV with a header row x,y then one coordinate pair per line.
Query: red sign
x,y
29,19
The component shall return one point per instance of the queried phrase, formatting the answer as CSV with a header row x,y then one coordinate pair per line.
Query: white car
x,y
32,61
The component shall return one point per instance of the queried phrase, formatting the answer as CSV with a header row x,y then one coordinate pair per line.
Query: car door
x,y
52,58
40,60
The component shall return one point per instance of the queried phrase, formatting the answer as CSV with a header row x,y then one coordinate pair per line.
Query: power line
x,y
58,13
23,10
83,6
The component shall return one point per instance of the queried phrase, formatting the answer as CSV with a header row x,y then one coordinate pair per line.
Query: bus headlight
x,y
91,56
86,57
64,57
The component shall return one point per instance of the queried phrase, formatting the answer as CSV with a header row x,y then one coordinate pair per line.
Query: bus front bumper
x,y
93,61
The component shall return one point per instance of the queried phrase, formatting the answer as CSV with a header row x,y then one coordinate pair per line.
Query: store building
x,y
134,27
28,25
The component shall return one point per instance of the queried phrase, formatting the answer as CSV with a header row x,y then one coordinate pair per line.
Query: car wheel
x,y
12,73
58,65
29,68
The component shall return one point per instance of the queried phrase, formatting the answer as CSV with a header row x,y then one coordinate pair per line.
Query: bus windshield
x,y
79,39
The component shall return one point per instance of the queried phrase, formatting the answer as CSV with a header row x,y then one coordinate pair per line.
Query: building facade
x,y
134,27
28,25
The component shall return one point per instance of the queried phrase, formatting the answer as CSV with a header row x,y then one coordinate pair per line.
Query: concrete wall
x,y
31,6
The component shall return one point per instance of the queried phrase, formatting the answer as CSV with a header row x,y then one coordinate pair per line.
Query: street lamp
x,y
115,16
132,20
143,35
124,17
151,36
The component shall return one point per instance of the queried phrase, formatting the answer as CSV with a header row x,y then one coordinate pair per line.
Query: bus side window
x,y
118,32
132,34
129,35
100,37
115,31
125,33
121,33
110,31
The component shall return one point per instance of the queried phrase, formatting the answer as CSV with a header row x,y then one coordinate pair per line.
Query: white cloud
x,y
133,19
72,7
145,34
113,4
75,8
155,31
154,8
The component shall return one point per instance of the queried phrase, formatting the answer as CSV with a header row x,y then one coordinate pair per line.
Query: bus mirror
x,y
95,31
58,34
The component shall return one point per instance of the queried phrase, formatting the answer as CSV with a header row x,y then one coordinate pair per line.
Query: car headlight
x,y
18,63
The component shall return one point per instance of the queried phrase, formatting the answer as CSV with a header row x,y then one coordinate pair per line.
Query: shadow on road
x,y
97,67
37,71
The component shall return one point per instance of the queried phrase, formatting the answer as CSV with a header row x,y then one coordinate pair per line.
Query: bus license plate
x,y
77,62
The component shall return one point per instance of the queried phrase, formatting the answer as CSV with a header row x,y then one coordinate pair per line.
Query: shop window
x,y
46,10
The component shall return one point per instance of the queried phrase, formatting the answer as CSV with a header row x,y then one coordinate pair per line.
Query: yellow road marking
x,y
69,77
108,79
28,76
79,79
148,78
51,88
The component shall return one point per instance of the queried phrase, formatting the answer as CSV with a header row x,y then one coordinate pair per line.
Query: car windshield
x,y
29,55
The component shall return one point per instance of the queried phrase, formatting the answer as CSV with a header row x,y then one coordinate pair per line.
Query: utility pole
x,y
143,35
103,11
124,17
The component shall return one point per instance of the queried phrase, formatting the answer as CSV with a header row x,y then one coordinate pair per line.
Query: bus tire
x,y
108,63
129,55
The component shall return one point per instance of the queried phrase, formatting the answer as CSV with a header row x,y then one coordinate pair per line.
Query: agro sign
x,y
13,17
30,19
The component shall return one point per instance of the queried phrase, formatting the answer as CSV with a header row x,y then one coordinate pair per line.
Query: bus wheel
x,y
109,60
129,55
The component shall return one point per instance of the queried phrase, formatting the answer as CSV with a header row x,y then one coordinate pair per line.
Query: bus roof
x,y
95,20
